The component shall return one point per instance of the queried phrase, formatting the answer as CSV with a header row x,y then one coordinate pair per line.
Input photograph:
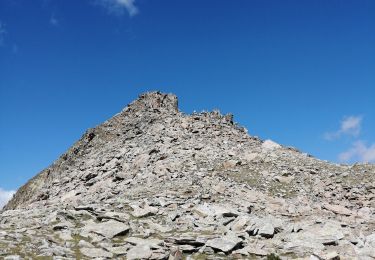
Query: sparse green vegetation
x,y
273,257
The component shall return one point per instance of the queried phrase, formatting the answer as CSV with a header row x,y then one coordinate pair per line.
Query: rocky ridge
x,y
155,183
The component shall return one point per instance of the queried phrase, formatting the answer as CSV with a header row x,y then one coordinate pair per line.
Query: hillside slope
x,y
154,183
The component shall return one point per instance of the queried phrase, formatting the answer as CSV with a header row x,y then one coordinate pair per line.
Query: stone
x,y
144,212
257,251
224,244
365,213
240,223
107,229
188,240
314,238
206,209
95,253
187,248
118,250
338,209
118,216
230,164
83,243
267,230
175,254
12,257
269,145
331,255
249,157
283,179
152,243
139,252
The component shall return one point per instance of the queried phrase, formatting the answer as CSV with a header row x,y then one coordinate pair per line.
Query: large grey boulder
x,y
225,244
108,229
139,252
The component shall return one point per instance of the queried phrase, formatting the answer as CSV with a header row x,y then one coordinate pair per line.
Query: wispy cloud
x,y
359,151
350,125
119,6
15,49
53,20
5,196
2,33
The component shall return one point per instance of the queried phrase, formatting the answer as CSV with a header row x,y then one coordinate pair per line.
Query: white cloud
x,y
5,196
350,125
359,151
2,33
118,6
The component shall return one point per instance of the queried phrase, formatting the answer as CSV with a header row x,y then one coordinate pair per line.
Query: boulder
x,y
338,209
225,243
139,252
95,253
108,229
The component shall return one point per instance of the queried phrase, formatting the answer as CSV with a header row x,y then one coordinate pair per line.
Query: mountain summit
x,y
155,183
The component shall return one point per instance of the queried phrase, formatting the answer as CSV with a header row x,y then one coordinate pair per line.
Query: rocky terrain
x,y
155,183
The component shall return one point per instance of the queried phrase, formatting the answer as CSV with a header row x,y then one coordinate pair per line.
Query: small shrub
x,y
273,257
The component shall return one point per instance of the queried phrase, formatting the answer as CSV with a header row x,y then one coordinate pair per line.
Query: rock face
x,y
154,183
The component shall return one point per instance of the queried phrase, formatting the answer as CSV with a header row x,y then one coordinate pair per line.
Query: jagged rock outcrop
x,y
154,183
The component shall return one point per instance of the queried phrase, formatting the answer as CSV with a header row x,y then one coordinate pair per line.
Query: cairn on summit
x,y
155,183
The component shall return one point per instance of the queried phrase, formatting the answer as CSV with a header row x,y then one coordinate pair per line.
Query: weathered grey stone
x,y
12,257
267,230
314,238
144,212
152,243
139,252
95,252
215,210
83,243
118,250
225,243
338,209
269,145
107,229
240,223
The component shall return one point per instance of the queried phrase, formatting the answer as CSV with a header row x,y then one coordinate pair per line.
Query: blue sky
x,y
301,73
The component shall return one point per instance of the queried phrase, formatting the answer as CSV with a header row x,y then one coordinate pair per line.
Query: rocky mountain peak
x,y
154,102
154,183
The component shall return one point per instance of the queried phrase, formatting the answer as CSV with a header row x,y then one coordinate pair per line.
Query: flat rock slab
x,y
240,223
189,240
206,209
108,229
95,252
338,209
12,257
152,243
118,250
269,145
139,252
224,244
314,238
265,227
144,212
